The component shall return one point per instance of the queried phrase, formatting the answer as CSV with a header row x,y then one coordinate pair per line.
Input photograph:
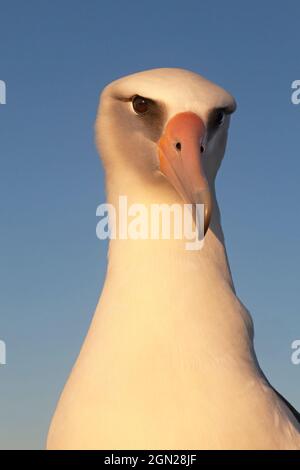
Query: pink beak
x,y
180,154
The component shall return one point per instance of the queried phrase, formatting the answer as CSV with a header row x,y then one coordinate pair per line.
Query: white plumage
x,y
168,362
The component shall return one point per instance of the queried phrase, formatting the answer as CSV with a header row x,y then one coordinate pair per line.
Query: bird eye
x,y
140,105
220,118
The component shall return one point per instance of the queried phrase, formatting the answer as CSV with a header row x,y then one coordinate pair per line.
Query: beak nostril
x,y
178,146
202,148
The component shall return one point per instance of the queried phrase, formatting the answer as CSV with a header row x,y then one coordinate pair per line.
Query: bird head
x,y
166,125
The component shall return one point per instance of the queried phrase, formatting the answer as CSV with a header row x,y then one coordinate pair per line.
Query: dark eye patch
x,y
154,121
216,119
150,113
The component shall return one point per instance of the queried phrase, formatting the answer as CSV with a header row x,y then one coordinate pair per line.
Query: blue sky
x,y
55,58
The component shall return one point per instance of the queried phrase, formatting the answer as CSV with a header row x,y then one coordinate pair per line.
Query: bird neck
x,y
209,257
162,278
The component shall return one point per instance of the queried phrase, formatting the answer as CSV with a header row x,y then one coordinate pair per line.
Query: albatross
x,y
168,361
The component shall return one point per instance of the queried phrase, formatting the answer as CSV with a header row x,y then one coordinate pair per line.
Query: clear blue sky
x,y
55,58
